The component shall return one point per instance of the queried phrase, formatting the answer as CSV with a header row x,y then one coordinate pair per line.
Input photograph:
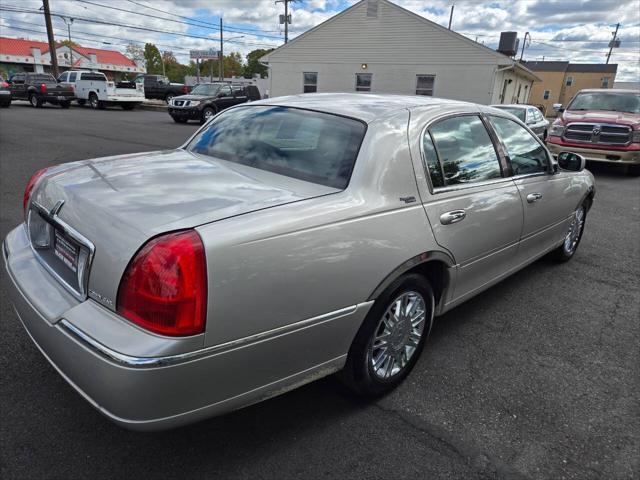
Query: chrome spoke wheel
x,y
398,335
575,230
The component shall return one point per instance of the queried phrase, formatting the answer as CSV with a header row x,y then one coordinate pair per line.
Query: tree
x,y
135,52
68,43
173,69
152,58
253,65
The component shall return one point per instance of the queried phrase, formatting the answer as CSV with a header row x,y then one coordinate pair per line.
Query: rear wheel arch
x,y
432,265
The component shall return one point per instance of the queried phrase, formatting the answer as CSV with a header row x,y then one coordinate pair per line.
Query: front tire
x,y
391,338
168,98
207,113
565,252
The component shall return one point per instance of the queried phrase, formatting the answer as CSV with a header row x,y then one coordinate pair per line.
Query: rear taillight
x,y
5,84
28,190
185,89
164,288
43,88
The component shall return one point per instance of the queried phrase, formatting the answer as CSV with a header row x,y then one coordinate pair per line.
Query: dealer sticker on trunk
x,y
66,251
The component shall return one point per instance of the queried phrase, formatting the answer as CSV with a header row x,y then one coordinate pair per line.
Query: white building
x,y
378,46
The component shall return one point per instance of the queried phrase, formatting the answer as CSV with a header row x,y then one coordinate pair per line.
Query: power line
x,y
148,29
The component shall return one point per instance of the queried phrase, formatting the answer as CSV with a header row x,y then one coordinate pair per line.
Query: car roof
x,y
609,90
363,106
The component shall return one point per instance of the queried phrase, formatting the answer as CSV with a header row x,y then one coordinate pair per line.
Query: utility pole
x,y
286,19
68,24
221,56
451,15
524,43
52,43
613,43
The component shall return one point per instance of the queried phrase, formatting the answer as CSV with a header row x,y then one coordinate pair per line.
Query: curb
x,y
157,107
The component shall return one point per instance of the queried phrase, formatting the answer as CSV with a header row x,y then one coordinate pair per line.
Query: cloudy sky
x,y
575,30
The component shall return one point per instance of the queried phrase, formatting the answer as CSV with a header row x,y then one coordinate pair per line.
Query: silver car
x,y
288,239
531,116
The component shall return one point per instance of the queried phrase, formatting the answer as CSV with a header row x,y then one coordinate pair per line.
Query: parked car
x,y
601,124
159,87
5,93
207,99
287,239
93,87
531,116
40,88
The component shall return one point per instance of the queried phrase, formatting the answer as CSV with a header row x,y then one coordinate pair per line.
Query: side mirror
x,y
558,107
571,161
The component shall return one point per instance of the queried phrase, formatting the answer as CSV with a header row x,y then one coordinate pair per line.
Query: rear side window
x,y
311,146
93,76
526,155
465,151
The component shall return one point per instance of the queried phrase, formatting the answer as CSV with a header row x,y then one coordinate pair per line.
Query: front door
x,y
225,98
548,199
473,207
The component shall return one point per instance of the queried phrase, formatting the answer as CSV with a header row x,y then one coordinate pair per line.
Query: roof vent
x,y
508,43
372,8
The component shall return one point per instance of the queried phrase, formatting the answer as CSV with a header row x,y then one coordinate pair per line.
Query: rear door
x,y
18,87
548,198
239,95
473,207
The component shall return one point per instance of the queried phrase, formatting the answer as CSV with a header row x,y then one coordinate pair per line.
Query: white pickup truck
x,y
93,87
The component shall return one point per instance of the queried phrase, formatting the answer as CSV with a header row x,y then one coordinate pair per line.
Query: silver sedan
x,y
286,240
531,116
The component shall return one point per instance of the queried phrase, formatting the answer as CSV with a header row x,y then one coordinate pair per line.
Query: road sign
x,y
210,54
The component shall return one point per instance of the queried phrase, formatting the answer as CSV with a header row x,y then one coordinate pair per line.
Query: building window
x,y
569,81
546,94
605,82
310,82
363,82
424,84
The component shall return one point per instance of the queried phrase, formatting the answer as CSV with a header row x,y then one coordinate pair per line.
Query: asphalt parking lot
x,y
536,378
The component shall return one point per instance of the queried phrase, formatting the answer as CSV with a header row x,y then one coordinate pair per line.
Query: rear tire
x,y
93,101
35,100
65,104
565,252
6,105
397,326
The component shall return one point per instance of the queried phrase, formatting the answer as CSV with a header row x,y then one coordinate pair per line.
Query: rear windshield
x,y
617,102
311,146
42,78
518,112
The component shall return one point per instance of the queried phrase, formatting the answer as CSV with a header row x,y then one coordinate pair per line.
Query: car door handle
x,y
534,197
452,217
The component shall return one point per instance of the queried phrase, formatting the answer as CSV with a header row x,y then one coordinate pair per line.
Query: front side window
x,y
63,77
546,94
225,91
309,82
424,84
72,76
526,154
363,82
311,146
569,81
465,150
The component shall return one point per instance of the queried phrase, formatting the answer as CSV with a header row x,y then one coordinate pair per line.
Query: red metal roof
x,y
22,47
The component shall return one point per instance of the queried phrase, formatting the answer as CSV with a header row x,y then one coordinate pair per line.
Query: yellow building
x,y
562,80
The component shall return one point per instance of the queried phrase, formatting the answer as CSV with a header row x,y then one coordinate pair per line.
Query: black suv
x,y
207,99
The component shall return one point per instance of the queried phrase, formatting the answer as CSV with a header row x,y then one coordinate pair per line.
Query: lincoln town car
x,y
286,240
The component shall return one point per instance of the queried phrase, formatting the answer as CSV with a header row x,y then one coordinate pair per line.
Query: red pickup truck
x,y
603,125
